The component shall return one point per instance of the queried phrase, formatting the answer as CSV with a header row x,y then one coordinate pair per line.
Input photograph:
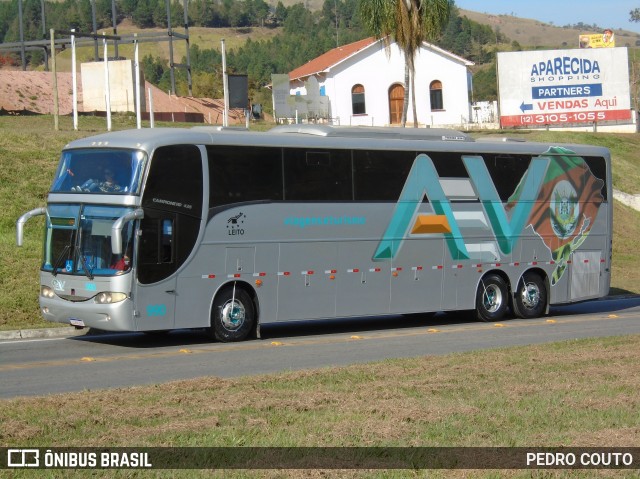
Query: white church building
x,y
363,83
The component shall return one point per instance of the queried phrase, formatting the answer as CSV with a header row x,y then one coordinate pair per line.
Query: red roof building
x,y
363,84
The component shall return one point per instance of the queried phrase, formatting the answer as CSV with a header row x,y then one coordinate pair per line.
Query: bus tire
x,y
530,299
492,298
232,319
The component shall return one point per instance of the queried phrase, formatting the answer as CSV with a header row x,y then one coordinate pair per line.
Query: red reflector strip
x,y
515,264
437,267
496,265
586,261
569,261
533,263
354,270
330,271
307,272
417,268
396,269
457,266
208,276
603,261
259,274
552,262
374,270
283,273
236,275
478,265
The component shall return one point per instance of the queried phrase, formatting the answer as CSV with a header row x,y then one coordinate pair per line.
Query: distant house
x,y
364,83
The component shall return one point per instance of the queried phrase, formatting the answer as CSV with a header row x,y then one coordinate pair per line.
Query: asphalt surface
x,y
65,360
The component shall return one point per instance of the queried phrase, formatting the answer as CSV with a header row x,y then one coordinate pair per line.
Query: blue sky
x,y
605,13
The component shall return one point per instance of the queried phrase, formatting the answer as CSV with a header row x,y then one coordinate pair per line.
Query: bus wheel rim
x,y
530,295
233,315
492,298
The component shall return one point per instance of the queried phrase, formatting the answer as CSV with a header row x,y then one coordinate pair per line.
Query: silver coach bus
x,y
159,229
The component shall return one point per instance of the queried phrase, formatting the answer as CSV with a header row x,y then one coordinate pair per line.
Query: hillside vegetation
x,y
531,33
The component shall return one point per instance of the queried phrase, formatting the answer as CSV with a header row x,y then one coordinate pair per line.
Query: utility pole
x,y
22,51
114,20
225,86
56,107
95,30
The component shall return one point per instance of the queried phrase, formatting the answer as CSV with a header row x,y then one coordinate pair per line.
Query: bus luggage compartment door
x,y
306,286
585,274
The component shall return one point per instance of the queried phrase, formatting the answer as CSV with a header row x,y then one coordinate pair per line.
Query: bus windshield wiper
x,y
83,260
56,265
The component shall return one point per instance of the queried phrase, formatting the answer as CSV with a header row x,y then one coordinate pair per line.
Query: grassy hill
x,y
534,33
205,38
529,33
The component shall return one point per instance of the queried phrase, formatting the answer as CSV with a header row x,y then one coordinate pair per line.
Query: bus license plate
x,y
76,322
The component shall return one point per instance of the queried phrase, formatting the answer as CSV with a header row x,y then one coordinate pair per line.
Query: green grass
x,y
30,148
573,393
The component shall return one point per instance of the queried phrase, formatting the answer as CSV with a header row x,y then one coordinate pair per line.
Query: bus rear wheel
x,y
232,316
530,299
491,298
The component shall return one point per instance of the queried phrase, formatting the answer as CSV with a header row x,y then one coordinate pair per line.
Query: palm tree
x,y
409,23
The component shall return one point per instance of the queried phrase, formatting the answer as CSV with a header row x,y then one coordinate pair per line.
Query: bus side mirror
x,y
23,219
116,229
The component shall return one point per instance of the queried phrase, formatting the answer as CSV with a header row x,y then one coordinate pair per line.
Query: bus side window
x,y
149,242
312,175
158,253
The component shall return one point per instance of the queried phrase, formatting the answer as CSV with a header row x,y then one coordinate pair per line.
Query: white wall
x,y
377,70
121,86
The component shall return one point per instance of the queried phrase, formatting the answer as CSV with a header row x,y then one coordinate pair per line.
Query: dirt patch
x,y
33,92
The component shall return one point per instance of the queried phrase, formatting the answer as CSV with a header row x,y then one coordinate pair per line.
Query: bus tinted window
x,y
240,174
174,182
100,171
380,175
505,170
448,165
317,175
598,167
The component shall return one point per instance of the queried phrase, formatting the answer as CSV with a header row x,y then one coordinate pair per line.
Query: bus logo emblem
x,y
234,224
547,198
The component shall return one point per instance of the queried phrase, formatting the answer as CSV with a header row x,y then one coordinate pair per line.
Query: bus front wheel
x,y
232,316
491,298
530,300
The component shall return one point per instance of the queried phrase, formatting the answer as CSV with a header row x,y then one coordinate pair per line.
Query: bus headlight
x,y
108,298
46,292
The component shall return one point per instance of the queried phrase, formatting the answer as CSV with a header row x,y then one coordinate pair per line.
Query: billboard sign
x,y
556,87
238,91
605,39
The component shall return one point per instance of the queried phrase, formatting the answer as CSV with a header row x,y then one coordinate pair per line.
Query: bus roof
x,y
326,136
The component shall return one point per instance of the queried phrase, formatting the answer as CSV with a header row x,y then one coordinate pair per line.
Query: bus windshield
x,y
101,171
78,241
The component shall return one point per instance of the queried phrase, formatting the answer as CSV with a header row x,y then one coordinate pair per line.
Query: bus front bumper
x,y
107,317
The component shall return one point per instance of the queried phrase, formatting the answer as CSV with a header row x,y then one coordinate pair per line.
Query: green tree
x,y
280,13
143,14
409,23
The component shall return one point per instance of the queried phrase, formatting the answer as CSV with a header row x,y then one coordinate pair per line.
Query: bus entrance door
x,y
156,289
155,305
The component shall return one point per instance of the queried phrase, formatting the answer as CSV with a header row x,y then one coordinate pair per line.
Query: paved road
x,y
45,366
